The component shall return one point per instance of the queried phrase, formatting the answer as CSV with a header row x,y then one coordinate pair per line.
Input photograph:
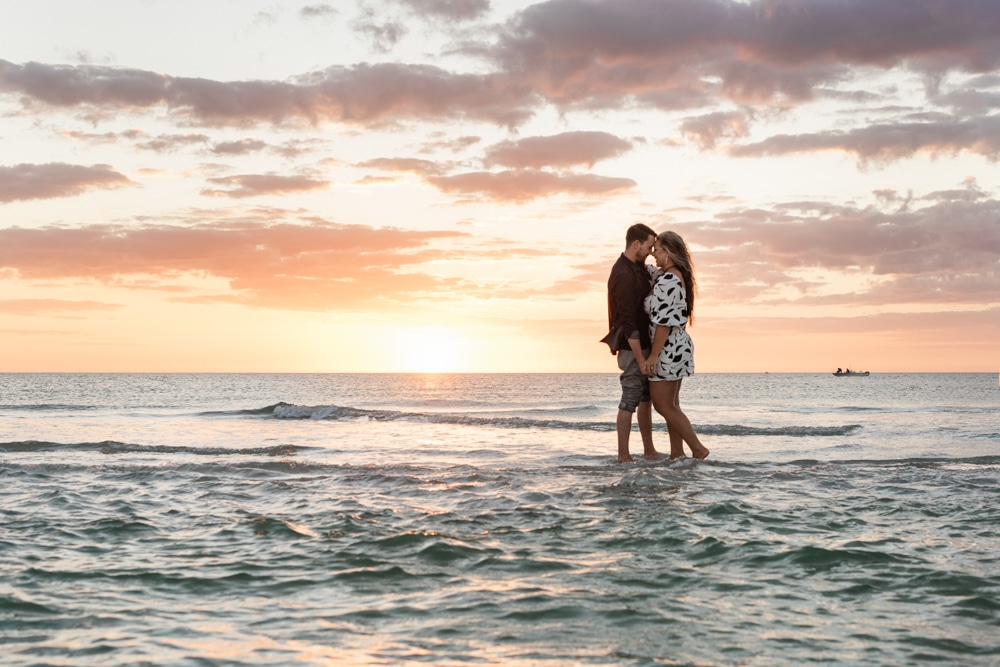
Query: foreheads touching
x,y
639,241
674,246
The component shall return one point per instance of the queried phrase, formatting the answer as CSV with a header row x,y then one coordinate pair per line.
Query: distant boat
x,y
849,373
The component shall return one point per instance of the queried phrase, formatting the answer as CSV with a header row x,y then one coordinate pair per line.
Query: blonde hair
x,y
679,254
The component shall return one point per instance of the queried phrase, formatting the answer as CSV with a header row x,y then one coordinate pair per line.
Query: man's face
x,y
644,249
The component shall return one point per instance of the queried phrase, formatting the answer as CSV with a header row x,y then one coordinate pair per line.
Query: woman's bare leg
x,y
666,400
660,394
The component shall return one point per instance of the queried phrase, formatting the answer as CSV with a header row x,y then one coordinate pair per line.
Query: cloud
x,y
166,143
668,54
405,165
889,141
561,150
56,179
382,36
518,186
277,265
947,251
323,12
255,185
453,144
671,53
51,306
239,147
365,94
451,10
708,129
526,181
978,328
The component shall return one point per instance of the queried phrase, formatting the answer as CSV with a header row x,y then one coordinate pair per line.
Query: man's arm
x,y
626,300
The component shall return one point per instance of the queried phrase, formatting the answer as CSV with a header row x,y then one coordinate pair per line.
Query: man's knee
x,y
635,385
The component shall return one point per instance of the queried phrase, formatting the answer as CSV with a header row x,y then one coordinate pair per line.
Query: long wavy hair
x,y
681,257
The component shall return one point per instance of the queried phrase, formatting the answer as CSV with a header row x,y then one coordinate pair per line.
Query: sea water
x,y
483,519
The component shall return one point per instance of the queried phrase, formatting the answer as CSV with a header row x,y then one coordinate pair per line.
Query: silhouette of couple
x,y
649,307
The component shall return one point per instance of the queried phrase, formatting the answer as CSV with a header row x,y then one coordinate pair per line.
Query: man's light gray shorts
x,y
635,385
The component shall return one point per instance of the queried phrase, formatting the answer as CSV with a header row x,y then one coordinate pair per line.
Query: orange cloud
x,y
280,265
51,306
56,179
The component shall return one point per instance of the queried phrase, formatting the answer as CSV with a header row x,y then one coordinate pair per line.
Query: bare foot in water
x,y
701,453
625,458
652,456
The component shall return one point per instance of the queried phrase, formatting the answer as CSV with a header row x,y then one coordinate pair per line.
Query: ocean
x,y
258,519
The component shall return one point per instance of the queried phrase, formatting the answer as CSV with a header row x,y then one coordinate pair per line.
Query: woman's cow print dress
x,y
667,307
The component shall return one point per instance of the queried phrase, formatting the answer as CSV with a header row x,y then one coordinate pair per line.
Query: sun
x,y
431,349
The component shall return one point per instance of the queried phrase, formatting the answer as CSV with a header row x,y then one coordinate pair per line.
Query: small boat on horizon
x,y
845,373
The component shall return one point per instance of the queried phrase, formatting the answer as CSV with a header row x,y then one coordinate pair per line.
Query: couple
x,y
648,309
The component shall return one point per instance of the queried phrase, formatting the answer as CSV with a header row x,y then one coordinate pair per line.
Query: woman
x,y
670,305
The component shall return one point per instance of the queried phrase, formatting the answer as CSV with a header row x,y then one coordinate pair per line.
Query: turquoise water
x,y
482,519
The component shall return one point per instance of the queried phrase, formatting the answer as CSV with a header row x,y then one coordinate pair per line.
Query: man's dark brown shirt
x,y
628,286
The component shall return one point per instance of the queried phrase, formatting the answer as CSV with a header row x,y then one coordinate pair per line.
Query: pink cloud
x,y
240,147
709,129
366,94
255,185
405,165
517,185
561,150
56,179
890,141
974,326
669,54
661,51
523,185
166,143
944,252
453,144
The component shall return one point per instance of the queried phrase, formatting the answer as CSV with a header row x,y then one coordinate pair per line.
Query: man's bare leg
x,y
644,415
624,427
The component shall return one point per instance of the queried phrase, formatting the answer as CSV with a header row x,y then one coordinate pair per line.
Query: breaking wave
x,y
341,413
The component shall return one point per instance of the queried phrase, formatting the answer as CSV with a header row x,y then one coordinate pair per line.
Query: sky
x,y
444,185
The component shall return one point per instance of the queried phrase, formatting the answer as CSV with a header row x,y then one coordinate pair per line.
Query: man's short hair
x,y
638,232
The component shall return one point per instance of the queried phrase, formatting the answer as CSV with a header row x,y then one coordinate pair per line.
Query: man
x,y
628,286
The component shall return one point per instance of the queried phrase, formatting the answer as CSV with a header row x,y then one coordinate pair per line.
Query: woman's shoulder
x,y
666,277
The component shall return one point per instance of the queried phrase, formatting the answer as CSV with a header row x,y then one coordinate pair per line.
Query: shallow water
x,y
320,519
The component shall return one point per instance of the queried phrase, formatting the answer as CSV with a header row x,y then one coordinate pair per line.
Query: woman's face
x,y
661,256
